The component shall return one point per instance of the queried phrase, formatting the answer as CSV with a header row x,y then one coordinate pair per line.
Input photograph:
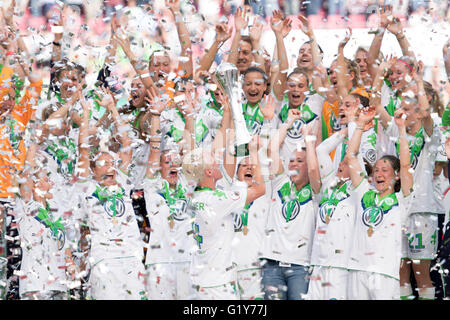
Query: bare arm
x,y
311,159
406,176
375,98
356,171
240,22
183,36
342,72
424,105
277,141
222,35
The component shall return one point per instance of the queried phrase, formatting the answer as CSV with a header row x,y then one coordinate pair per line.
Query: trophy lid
x,y
227,74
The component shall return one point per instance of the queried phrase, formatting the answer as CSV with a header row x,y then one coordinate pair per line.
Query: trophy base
x,y
241,150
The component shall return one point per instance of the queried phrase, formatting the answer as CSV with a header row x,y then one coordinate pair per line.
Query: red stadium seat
x,y
357,21
335,22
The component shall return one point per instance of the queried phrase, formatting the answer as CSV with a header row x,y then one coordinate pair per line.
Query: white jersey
x,y
172,125
43,242
208,121
311,109
114,231
213,228
367,149
247,246
291,223
138,168
377,241
177,220
334,228
389,99
423,150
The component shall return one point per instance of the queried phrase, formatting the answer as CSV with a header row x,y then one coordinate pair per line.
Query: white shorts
x,y
169,281
363,285
420,239
249,284
224,292
118,279
328,283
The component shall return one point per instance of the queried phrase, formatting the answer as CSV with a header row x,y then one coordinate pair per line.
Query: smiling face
x,y
298,168
104,170
137,93
245,172
297,85
304,59
245,56
69,80
384,176
398,76
361,60
254,87
159,68
170,168
348,109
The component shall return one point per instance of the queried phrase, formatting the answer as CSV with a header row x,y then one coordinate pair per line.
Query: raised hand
x,y
395,26
305,26
400,118
154,102
276,22
268,110
366,116
222,32
105,98
385,13
293,114
348,35
287,27
255,31
240,19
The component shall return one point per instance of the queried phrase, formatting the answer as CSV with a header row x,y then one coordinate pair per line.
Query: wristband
x,y
56,44
360,128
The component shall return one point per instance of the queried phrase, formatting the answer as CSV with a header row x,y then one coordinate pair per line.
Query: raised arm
x,y
375,97
258,187
141,69
156,106
83,163
240,22
342,74
310,134
406,177
273,150
396,28
222,34
375,46
356,171
183,37
424,105
255,32
315,52
281,28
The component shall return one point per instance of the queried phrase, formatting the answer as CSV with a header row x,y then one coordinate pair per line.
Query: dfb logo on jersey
x,y
178,209
372,216
119,210
295,131
326,209
293,206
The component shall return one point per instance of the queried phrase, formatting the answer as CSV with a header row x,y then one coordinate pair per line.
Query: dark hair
x,y
395,163
247,39
256,69
309,42
300,71
364,101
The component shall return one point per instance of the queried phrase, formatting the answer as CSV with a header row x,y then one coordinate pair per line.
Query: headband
x,y
407,64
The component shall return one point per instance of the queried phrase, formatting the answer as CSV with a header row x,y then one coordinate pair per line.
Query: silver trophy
x,y
227,75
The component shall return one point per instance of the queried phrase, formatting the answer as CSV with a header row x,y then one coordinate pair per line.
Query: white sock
x,y
426,293
406,291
